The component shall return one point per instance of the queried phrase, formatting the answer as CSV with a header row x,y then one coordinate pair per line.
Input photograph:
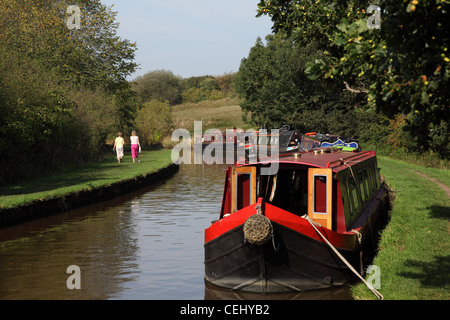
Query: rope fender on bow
x,y
258,228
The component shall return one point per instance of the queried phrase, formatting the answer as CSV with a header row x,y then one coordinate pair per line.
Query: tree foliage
x,y
93,55
161,85
402,68
62,91
277,91
154,122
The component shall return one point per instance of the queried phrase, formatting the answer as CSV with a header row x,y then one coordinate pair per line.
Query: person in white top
x,y
118,145
135,146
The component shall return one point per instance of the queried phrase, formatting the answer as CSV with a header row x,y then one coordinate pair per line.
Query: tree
x,y
62,91
154,122
93,55
401,68
226,83
161,85
277,91
196,89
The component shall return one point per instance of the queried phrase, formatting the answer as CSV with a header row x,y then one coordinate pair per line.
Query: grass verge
x,y
83,178
414,256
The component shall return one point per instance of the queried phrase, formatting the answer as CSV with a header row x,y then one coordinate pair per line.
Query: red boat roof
x,y
336,159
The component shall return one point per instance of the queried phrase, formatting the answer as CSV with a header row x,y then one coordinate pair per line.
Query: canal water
x,y
147,245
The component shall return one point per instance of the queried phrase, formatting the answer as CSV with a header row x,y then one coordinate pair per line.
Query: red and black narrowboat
x,y
298,228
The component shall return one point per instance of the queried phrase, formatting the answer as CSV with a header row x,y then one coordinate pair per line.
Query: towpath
x,y
443,186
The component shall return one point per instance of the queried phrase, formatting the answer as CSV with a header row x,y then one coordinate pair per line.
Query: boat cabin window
x,y
320,194
288,190
353,200
301,191
363,183
358,187
244,188
374,177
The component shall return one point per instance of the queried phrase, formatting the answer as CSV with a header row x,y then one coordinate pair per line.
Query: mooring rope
x,y
375,292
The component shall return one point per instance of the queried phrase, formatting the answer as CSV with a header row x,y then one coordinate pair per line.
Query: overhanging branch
x,y
358,90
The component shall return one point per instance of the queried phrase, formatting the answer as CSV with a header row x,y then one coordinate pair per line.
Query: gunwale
x,y
320,158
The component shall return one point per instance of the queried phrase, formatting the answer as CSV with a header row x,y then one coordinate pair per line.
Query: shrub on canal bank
x,y
415,246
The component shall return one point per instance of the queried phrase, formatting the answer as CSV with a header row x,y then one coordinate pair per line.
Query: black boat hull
x,y
289,262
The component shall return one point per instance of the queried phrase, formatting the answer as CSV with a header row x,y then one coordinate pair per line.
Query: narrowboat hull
x,y
294,259
300,264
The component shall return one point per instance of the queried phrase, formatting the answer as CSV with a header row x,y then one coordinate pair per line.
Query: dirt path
x,y
443,186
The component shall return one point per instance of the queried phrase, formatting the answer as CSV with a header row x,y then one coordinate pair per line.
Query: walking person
x,y
118,145
135,146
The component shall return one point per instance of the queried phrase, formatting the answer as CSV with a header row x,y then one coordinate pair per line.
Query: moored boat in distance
x,y
303,227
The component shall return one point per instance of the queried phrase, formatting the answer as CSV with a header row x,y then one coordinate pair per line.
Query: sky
x,y
190,38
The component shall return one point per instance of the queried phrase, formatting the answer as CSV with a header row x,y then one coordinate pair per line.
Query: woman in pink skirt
x,y
135,146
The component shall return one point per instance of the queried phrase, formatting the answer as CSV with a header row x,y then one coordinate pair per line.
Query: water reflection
x,y
104,246
144,245
338,293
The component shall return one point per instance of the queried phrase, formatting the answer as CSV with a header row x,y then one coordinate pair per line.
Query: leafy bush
x,y
154,122
159,85
193,95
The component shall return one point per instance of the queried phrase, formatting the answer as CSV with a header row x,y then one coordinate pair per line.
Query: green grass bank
x,y
414,255
83,185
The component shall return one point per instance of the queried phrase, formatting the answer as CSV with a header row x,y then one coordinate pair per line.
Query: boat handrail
x,y
343,161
